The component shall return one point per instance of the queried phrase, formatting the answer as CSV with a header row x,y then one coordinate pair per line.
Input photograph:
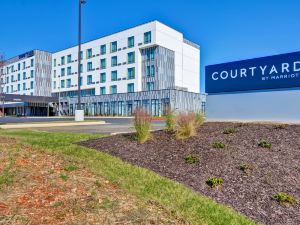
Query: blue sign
x,y
278,71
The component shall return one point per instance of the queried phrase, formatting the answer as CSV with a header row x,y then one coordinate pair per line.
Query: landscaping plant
x,y
218,144
170,121
246,168
214,182
283,197
185,125
191,159
199,119
142,124
230,130
264,144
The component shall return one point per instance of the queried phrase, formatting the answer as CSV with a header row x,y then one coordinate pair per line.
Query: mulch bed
x,y
274,170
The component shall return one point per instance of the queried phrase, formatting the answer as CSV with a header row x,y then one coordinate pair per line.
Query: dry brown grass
x,y
38,194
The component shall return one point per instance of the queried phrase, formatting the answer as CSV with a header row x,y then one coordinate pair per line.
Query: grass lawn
x,y
147,186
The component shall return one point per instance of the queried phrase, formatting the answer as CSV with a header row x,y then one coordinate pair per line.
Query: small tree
x,y
142,125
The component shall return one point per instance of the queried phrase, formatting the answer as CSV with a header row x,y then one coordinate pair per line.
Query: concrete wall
x,y
276,105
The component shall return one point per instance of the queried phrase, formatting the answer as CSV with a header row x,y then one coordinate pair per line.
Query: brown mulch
x,y
274,170
42,191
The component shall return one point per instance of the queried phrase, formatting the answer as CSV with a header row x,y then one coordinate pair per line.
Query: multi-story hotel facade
x,y
150,65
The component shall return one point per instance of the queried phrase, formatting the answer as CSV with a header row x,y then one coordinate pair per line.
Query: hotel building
x,y
150,65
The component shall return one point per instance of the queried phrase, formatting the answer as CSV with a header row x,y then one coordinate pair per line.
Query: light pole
x,y
79,113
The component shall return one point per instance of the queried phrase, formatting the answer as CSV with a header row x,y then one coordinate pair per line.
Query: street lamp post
x,y
79,113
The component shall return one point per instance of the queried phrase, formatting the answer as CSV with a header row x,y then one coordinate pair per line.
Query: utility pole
x,y
1,79
79,113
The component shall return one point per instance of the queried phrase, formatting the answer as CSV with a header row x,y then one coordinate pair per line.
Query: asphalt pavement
x,y
113,125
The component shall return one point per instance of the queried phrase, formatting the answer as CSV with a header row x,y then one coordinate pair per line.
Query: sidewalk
x,y
49,124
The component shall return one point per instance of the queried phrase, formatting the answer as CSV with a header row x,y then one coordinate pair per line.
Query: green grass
x,y
146,185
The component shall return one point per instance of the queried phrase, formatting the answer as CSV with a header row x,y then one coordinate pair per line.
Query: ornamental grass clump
x,y
170,121
264,144
185,125
142,124
191,159
199,119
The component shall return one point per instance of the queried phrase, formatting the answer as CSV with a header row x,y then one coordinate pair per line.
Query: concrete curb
x,y
56,124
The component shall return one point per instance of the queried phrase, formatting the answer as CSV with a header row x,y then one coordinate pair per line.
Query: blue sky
x,y
226,30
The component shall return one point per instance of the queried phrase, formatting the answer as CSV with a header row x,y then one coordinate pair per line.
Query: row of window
x,y
113,48
114,62
18,87
11,69
12,77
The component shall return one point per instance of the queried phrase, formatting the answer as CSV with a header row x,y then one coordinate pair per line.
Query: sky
x,y
226,30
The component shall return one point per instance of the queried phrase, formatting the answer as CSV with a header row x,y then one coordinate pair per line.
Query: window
x,y
131,73
148,71
152,53
54,73
7,89
24,86
69,70
12,69
89,79
19,66
130,42
69,58
130,87
89,66
152,71
81,55
31,85
62,72
62,60
102,90
114,61
113,89
147,37
150,86
89,53
19,77
7,80
31,62
81,68
103,49
102,63
31,73
19,87
54,62
12,78
113,46
54,84
114,75
24,65
130,57
80,81
102,77
68,83
11,88
24,75
62,84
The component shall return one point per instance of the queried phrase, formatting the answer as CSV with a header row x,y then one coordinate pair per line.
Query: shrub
x,y
199,119
283,197
185,125
246,168
214,182
64,177
264,144
142,124
170,121
231,130
280,126
191,159
218,144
